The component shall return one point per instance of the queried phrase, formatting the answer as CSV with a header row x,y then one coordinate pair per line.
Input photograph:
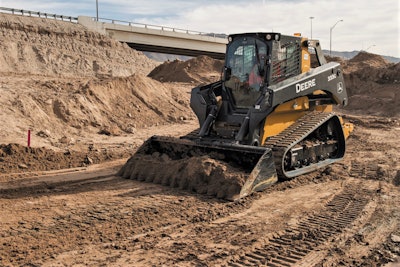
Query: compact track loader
x,y
269,117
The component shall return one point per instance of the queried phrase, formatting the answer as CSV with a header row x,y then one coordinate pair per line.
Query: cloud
x,y
375,23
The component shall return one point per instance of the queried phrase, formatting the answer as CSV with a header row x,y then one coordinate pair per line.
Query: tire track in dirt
x,y
295,243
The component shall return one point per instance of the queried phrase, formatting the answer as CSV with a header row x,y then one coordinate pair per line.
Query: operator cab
x,y
257,60
246,65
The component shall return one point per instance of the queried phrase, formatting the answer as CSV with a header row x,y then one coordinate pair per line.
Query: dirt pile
x,y
66,83
15,158
202,174
49,47
373,85
364,59
371,67
55,109
201,69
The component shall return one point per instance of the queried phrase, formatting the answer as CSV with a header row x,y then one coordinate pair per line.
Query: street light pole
x,y
311,18
330,37
97,10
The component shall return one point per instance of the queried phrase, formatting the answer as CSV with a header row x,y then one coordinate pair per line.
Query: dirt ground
x,y
89,105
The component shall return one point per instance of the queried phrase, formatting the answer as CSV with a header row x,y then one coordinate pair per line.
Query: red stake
x,y
29,138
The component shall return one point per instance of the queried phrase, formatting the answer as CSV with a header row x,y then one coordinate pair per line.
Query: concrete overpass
x,y
152,38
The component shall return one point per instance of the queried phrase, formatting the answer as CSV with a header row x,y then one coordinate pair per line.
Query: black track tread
x,y
294,134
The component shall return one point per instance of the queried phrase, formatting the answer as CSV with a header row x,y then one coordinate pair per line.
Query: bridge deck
x,y
162,39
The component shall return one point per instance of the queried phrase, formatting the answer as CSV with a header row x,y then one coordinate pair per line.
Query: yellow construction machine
x,y
270,116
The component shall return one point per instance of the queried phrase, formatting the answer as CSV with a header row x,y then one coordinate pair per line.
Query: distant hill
x,y
350,55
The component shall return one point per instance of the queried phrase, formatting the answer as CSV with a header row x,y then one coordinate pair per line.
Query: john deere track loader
x,y
270,117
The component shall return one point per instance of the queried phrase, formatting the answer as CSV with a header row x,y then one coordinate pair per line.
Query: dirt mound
x,y
365,58
373,85
190,167
202,175
370,67
49,47
16,158
135,101
80,107
64,82
201,69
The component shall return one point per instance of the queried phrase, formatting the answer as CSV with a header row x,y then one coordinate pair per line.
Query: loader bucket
x,y
225,170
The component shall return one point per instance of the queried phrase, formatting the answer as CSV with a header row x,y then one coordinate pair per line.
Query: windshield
x,y
246,58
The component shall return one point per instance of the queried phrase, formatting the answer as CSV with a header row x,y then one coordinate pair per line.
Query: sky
x,y
372,26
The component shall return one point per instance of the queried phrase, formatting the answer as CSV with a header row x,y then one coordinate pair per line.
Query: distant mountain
x,y
349,55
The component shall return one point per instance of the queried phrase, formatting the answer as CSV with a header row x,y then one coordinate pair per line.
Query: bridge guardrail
x,y
158,27
38,14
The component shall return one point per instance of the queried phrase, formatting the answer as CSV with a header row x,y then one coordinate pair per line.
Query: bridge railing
x,y
158,27
38,14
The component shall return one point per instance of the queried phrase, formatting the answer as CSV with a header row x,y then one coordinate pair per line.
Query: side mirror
x,y
227,74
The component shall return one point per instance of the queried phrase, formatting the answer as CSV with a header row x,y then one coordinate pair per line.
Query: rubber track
x,y
295,243
292,135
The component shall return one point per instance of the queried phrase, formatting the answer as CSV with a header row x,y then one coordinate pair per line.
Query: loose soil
x,y
198,70
89,104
